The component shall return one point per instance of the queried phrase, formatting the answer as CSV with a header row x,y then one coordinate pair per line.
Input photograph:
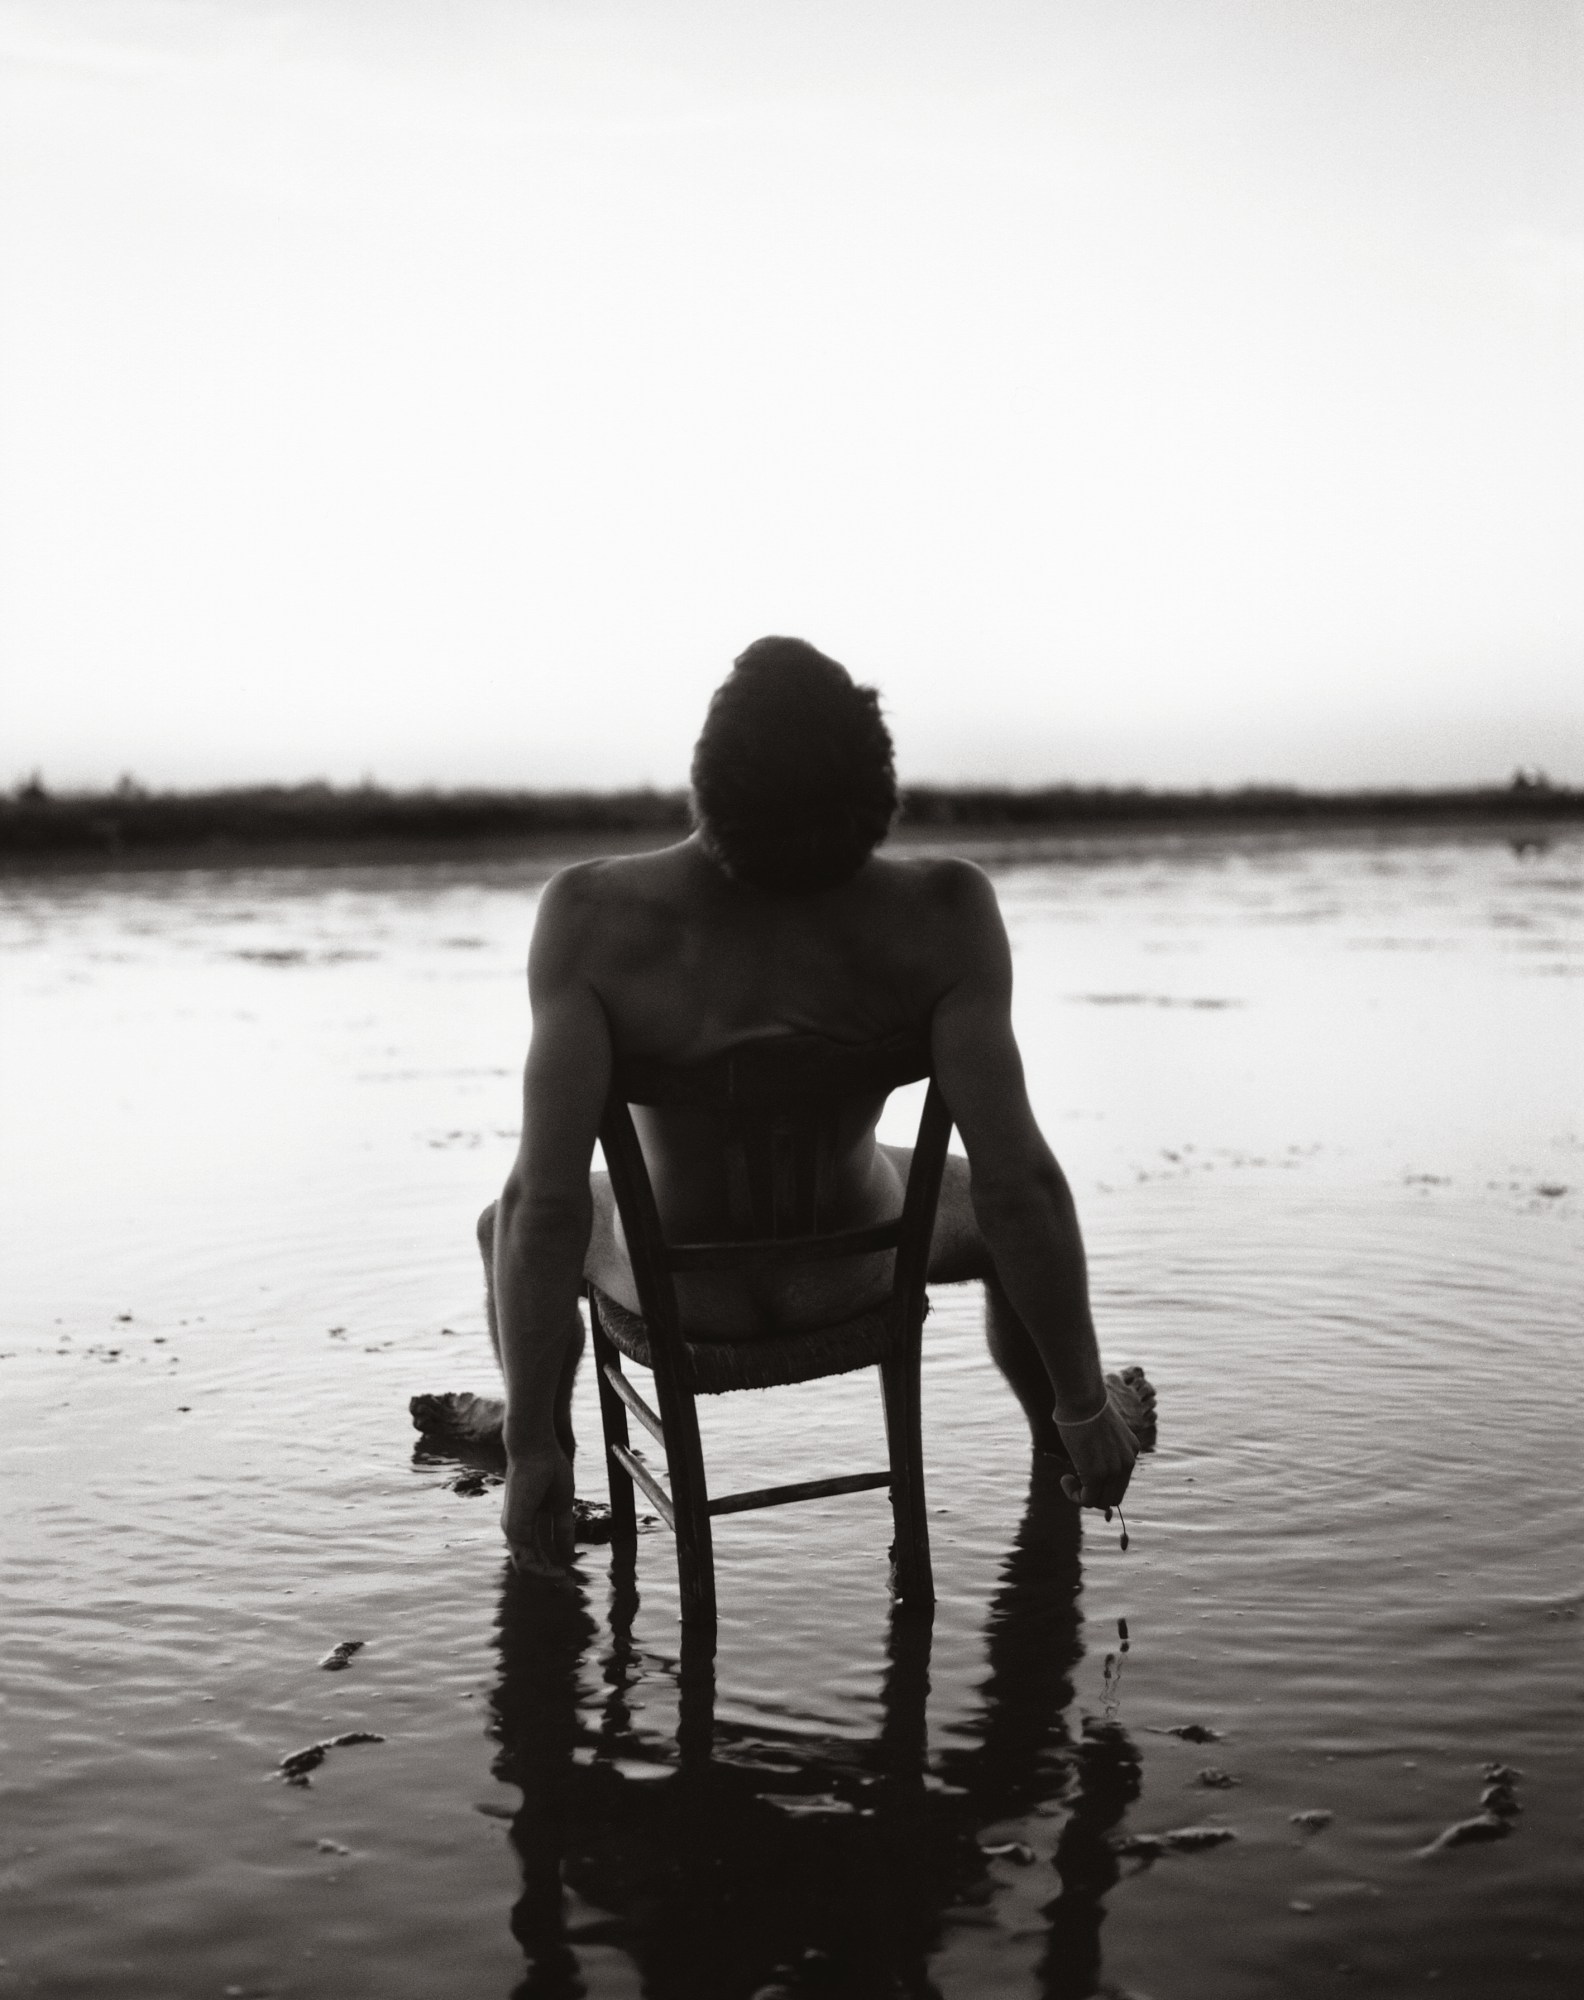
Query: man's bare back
x,y
777,917
687,964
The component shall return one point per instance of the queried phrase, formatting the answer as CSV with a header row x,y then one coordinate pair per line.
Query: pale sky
x,y
1175,391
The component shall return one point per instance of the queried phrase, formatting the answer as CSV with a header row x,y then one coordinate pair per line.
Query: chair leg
x,y
696,1686
689,1496
899,1380
613,1419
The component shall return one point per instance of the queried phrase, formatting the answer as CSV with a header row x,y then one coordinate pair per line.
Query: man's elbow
x,y
538,1215
1022,1194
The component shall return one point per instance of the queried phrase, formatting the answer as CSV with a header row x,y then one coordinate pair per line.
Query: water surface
x,y
1322,1107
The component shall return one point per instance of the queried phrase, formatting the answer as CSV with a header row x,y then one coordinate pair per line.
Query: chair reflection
x,y
747,1858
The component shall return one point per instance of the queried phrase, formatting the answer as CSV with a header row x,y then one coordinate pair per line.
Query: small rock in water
x,y
1190,1732
1313,1820
340,1654
331,1847
1190,1839
1010,1850
471,1484
1215,1780
1466,1832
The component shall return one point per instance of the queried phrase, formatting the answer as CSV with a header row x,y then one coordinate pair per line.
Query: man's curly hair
x,y
794,778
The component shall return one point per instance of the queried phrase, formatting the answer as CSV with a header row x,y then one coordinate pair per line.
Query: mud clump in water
x,y
1465,1832
1499,1807
1498,1796
1010,1850
591,1521
339,1657
1180,1840
471,1484
296,1766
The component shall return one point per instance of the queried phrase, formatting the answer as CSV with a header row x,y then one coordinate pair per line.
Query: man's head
x,y
794,783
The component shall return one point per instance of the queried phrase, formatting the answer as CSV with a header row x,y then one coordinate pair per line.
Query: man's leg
x,y
478,1419
958,1253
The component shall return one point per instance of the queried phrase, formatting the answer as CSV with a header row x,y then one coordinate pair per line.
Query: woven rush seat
x,y
716,1367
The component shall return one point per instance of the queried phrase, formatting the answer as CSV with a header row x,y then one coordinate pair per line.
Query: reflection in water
x,y
751,1857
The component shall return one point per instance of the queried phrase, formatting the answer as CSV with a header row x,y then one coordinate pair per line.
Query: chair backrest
x,y
777,1103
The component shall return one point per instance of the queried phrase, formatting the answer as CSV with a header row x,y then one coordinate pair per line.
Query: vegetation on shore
x,y
131,821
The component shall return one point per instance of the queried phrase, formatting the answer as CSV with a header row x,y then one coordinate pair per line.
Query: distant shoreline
x,y
324,823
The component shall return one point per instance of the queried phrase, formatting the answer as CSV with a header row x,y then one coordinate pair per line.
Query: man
x,y
777,915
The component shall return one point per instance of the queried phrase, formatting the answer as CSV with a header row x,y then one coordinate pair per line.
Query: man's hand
x,y
536,1513
1102,1452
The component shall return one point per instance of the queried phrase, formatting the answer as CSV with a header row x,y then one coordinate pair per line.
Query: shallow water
x,y
1322,1107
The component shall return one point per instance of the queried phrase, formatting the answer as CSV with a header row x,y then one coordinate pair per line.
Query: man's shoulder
x,y
612,904
944,884
649,876
617,901
939,914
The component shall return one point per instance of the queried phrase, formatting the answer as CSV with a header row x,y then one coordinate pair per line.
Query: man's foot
x,y
459,1418
1133,1394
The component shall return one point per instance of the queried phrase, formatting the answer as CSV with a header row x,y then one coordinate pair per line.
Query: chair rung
x,y
805,1489
635,1467
781,1249
633,1400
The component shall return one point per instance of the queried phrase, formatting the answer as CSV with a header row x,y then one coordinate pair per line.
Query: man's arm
x,y
544,1214
1021,1199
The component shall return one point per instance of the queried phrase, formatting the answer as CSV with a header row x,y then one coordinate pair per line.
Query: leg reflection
x,y
740,1854
1026,1756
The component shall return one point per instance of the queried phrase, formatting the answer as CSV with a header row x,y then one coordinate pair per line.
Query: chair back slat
x,y
776,1070
918,1208
757,1250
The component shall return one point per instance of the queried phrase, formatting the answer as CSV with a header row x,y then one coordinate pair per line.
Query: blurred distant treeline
x,y
367,819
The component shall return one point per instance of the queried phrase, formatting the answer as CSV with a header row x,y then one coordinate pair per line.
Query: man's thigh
x,y
605,1264
957,1250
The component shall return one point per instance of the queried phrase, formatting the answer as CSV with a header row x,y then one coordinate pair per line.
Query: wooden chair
x,y
773,1105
